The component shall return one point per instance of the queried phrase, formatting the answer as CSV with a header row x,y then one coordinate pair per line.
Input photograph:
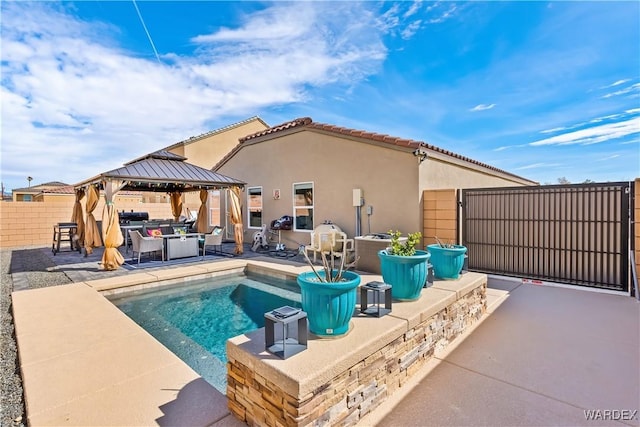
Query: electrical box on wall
x,y
358,197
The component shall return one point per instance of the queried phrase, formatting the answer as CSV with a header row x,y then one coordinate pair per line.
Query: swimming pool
x,y
195,320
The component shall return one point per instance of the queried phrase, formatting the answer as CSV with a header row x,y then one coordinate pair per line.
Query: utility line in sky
x,y
146,31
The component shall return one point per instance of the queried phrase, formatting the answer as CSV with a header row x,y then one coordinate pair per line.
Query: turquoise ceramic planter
x,y
329,306
406,274
447,262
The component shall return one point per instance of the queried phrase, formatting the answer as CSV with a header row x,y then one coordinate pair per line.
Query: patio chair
x,y
213,239
331,243
141,244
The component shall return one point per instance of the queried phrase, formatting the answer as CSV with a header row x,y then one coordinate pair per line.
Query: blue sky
x,y
541,89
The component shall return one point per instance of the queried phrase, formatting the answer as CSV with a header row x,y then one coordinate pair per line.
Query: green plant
x,y
444,245
408,248
332,274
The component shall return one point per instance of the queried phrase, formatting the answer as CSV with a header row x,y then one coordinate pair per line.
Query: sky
x,y
544,90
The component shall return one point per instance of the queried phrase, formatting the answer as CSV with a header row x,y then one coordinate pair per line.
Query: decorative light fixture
x,y
420,153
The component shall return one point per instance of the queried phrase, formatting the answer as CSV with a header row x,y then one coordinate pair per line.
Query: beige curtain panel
x,y
176,204
112,259
236,219
91,232
77,217
202,225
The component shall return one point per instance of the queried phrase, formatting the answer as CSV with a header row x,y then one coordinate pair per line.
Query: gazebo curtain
x,y
236,219
112,259
77,217
202,225
176,204
91,232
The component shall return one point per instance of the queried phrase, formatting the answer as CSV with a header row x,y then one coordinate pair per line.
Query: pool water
x,y
194,321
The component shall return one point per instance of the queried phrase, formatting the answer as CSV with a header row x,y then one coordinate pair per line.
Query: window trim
x,y
249,226
312,206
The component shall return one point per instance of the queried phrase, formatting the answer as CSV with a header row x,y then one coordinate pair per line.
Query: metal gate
x,y
575,234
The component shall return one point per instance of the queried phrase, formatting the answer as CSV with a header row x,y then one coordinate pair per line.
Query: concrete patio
x,y
541,356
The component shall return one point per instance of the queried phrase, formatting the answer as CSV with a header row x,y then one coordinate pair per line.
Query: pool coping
x,y
66,334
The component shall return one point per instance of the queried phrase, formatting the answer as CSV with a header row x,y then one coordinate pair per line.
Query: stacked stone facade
x,y
352,394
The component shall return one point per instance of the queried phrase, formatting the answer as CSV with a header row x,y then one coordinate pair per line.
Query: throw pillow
x,y
179,230
154,232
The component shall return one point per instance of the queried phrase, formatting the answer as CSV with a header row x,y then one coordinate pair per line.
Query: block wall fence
x,y
31,223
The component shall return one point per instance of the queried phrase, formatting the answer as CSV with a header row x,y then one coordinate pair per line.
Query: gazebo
x,y
160,172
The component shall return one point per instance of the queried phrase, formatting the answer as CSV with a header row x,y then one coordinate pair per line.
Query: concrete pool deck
x,y
67,334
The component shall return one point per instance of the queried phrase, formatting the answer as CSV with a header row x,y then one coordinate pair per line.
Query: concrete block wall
x,y
31,223
439,216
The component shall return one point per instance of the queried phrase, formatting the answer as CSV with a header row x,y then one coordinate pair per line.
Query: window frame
x,y
249,226
309,207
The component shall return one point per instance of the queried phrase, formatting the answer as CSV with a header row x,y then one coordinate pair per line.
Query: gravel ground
x,y
28,267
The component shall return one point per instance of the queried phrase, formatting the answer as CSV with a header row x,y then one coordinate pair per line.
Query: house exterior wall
x,y
336,166
440,172
207,151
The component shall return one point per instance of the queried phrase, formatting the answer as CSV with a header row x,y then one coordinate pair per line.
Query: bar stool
x,y
63,232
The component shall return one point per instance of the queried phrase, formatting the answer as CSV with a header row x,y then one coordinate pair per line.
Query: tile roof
x,y
36,188
308,123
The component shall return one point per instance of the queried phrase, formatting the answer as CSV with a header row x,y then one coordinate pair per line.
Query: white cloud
x,y
444,16
538,166
411,29
74,103
482,107
630,89
415,6
594,135
614,156
616,83
558,129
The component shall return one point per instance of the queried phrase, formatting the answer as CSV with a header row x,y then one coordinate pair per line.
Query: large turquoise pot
x,y
329,306
406,274
447,262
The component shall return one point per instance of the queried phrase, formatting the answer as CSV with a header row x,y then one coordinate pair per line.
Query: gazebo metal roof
x,y
164,172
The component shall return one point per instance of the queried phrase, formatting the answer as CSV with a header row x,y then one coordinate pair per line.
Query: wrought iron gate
x,y
576,234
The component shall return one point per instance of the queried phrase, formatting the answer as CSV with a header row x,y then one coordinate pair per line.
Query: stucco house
x,y
34,192
207,149
317,172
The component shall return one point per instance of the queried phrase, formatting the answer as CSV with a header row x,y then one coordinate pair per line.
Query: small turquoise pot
x,y
329,306
447,262
406,274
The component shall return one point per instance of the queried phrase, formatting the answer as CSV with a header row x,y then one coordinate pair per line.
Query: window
x,y
303,206
214,208
27,198
254,201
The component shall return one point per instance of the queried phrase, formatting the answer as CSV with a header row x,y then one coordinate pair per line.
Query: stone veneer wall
x,y
355,392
